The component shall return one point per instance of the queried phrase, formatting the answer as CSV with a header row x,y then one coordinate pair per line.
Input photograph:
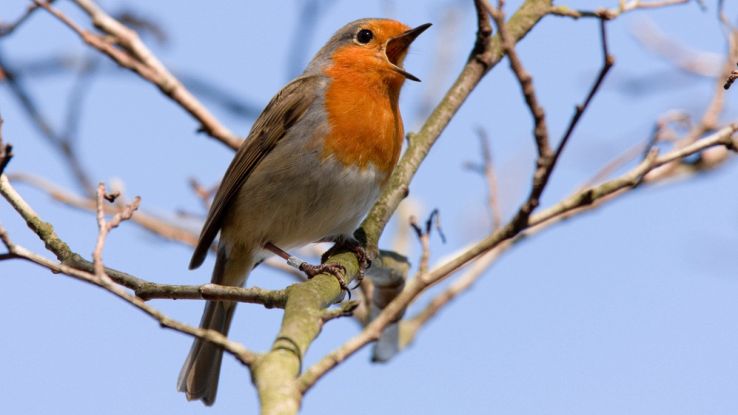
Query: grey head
x,y
389,38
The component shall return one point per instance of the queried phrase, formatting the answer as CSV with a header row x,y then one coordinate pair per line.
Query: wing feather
x,y
282,112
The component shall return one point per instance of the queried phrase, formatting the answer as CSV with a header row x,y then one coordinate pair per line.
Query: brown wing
x,y
280,114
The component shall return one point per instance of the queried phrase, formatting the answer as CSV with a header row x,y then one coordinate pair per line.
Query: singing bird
x,y
313,164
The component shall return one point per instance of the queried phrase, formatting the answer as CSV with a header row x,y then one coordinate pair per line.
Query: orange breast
x,y
362,108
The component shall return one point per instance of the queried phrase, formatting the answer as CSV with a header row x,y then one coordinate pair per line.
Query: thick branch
x,y
587,197
156,225
485,55
142,288
276,373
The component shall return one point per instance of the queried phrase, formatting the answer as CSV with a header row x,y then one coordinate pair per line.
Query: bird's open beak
x,y
397,47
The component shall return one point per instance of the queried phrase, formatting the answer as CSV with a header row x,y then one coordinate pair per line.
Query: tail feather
x,y
198,378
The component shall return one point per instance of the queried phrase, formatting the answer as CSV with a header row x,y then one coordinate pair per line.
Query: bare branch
x,y
156,225
540,130
236,349
623,7
276,374
424,233
485,54
488,170
345,309
731,78
410,327
100,278
62,143
424,239
545,167
585,198
664,45
660,132
139,59
205,194
104,227
143,289
710,117
8,28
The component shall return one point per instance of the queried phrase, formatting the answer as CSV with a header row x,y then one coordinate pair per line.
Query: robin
x,y
313,164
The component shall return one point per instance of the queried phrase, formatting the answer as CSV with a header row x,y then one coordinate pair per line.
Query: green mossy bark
x,y
275,373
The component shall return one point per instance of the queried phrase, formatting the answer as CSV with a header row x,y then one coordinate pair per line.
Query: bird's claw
x,y
337,270
357,249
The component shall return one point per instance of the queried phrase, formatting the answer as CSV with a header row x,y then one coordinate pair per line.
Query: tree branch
x,y
546,165
486,53
584,198
136,57
237,350
8,28
540,130
623,7
156,225
143,289
276,372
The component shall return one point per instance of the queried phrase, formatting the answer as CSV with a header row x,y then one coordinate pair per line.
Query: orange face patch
x,y
362,103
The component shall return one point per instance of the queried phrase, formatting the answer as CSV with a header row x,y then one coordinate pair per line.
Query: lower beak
x,y
397,47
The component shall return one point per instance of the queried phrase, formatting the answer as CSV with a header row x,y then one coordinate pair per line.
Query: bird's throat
x,y
364,117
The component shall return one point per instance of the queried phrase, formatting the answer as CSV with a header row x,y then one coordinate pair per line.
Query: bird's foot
x,y
354,246
336,270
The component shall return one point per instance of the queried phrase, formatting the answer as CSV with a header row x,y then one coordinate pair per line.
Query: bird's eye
x,y
364,36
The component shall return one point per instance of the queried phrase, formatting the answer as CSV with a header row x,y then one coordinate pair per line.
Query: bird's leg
x,y
351,245
310,270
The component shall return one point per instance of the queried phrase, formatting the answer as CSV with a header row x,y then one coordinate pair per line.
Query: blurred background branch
x,y
399,299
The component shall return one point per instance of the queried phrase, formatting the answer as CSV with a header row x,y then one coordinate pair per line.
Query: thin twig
x,y
8,28
540,130
585,198
144,289
63,144
410,327
545,168
104,226
623,7
424,233
345,309
731,78
205,194
666,46
244,355
485,54
139,59
424,239
710,117
607,62
488,169
154,224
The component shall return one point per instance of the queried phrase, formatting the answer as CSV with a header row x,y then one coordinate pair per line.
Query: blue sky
x,y
628,309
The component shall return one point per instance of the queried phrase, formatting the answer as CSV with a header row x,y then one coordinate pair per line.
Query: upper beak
x,y
398,45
